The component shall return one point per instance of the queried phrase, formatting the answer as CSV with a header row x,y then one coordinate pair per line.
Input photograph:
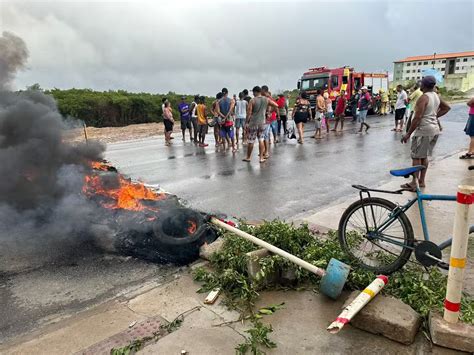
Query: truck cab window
x,y
334,81
344,80
306,84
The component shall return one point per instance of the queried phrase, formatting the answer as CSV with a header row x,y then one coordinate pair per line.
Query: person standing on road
x,y
255,122
216,120
185,118
429,108
400,108
202,121
224,110
354,101
383,102
341,104
194,122
329,111
320,110
168,122
240,114
283,110
301,114
271,122
364,102
469,129
413,98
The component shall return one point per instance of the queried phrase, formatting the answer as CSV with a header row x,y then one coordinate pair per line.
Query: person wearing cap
x,y
364,102
400,108
424,128
185,117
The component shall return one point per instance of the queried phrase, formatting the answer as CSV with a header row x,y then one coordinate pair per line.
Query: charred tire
x,y
398,259
179,227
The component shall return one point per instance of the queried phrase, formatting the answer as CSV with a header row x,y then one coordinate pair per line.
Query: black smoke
x,y
43,212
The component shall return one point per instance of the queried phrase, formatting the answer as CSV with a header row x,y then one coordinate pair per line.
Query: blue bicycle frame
x,y
420,197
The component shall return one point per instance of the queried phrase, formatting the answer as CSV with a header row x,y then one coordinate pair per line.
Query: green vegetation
x,y
113,108
422,290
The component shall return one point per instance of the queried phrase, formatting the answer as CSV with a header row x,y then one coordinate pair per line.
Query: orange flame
x,y
192,227
127,195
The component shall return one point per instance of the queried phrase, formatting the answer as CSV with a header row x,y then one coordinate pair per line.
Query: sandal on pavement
x,y
408,187
467,156
246,160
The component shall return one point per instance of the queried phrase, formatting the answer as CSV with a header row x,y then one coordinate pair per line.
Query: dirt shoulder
x,y
119,134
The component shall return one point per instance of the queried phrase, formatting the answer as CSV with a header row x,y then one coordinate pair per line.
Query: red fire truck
x,y
345,78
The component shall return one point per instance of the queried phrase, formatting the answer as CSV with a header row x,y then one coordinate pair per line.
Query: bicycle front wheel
x,y
375,236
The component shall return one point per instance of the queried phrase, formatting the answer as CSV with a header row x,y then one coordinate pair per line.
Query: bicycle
x,y
377,233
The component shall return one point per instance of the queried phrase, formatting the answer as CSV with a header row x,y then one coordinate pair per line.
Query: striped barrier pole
x,y
457,261
359,302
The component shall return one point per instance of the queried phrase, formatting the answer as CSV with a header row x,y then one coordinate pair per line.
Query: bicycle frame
x,y
420,197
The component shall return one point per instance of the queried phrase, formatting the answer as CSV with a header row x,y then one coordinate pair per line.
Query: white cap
x,y
363,88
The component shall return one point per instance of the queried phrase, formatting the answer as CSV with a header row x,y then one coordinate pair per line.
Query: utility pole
x,y
434,59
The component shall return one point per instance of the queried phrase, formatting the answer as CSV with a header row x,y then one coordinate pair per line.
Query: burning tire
x,y
175,237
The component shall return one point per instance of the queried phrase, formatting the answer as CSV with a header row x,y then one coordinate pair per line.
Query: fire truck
x,y
345,78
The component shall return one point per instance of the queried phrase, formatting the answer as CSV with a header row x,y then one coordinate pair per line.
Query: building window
x,y
444,61
408,64
457,68
419,63
464,60
443,69
425,63
458,60
417,78
408,71
418,70
432,62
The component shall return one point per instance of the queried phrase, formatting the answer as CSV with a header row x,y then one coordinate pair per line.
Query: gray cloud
x,y
200,46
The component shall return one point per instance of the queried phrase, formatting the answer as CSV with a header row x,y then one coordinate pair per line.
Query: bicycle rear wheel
x,y
380,249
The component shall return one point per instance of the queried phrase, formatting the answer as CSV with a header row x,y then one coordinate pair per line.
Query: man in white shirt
x,y
240,115
400,108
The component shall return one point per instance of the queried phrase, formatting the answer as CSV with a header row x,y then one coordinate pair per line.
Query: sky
x,y
201,46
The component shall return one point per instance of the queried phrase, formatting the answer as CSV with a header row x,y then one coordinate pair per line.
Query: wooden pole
x,y
300,262
85,131
457,261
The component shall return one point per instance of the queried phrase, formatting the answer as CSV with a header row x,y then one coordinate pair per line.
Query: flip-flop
x,y
263,160
467,156
246,160
408,187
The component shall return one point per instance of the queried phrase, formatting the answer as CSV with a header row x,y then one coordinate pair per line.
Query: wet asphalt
x,y
296,179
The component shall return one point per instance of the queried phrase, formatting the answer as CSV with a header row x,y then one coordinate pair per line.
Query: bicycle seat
x,y
406,172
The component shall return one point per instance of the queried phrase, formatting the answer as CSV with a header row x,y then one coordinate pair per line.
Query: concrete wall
x,y
463,82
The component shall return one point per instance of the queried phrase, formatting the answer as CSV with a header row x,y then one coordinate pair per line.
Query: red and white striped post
x,y
457,261
358,303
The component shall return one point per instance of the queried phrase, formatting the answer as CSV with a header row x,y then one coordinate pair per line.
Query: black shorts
x,y
185,124
283,117
301,117
168,125
400,114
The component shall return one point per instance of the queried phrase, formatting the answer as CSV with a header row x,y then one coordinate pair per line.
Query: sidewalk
x,y
299,328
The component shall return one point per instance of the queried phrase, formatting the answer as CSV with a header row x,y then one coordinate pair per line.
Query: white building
x,y
411,68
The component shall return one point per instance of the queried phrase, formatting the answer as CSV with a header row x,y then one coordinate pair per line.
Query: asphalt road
x,y
295,180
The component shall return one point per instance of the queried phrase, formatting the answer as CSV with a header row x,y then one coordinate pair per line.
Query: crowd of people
x,y
263,118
